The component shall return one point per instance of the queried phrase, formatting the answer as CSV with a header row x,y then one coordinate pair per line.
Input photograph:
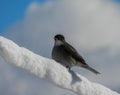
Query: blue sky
x,y
12,11
94,32
117,1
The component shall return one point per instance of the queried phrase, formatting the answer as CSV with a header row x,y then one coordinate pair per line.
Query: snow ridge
x,y
49,70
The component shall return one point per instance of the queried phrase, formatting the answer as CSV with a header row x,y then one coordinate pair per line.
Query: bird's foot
x,y
68,68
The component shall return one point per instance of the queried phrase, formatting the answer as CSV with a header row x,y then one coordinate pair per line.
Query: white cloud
x,y
90,25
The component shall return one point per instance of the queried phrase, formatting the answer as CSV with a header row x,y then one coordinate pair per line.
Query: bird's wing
x,y
68,48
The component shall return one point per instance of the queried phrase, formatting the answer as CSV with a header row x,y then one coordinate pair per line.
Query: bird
x,y
67,55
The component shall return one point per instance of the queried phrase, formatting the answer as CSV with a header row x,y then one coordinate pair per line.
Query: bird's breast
x,y
62,56
58,53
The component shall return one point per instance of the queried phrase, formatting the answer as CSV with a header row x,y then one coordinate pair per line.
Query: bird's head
x,y
59,37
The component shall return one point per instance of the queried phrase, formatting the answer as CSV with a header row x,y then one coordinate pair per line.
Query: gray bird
x,y
65,54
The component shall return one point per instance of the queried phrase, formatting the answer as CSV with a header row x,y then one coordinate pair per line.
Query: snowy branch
x,y
49,70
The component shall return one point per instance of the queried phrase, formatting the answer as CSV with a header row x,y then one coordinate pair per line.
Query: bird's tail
x,y
91,69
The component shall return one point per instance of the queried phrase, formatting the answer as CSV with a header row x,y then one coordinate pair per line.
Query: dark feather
x,y
68,48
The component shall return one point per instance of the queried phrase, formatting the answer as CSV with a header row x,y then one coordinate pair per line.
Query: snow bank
x,y
49,70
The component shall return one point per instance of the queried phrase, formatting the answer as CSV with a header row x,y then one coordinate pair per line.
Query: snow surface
x,y
49,70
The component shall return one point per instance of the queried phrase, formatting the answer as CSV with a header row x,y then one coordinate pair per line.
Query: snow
x,y
50,70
